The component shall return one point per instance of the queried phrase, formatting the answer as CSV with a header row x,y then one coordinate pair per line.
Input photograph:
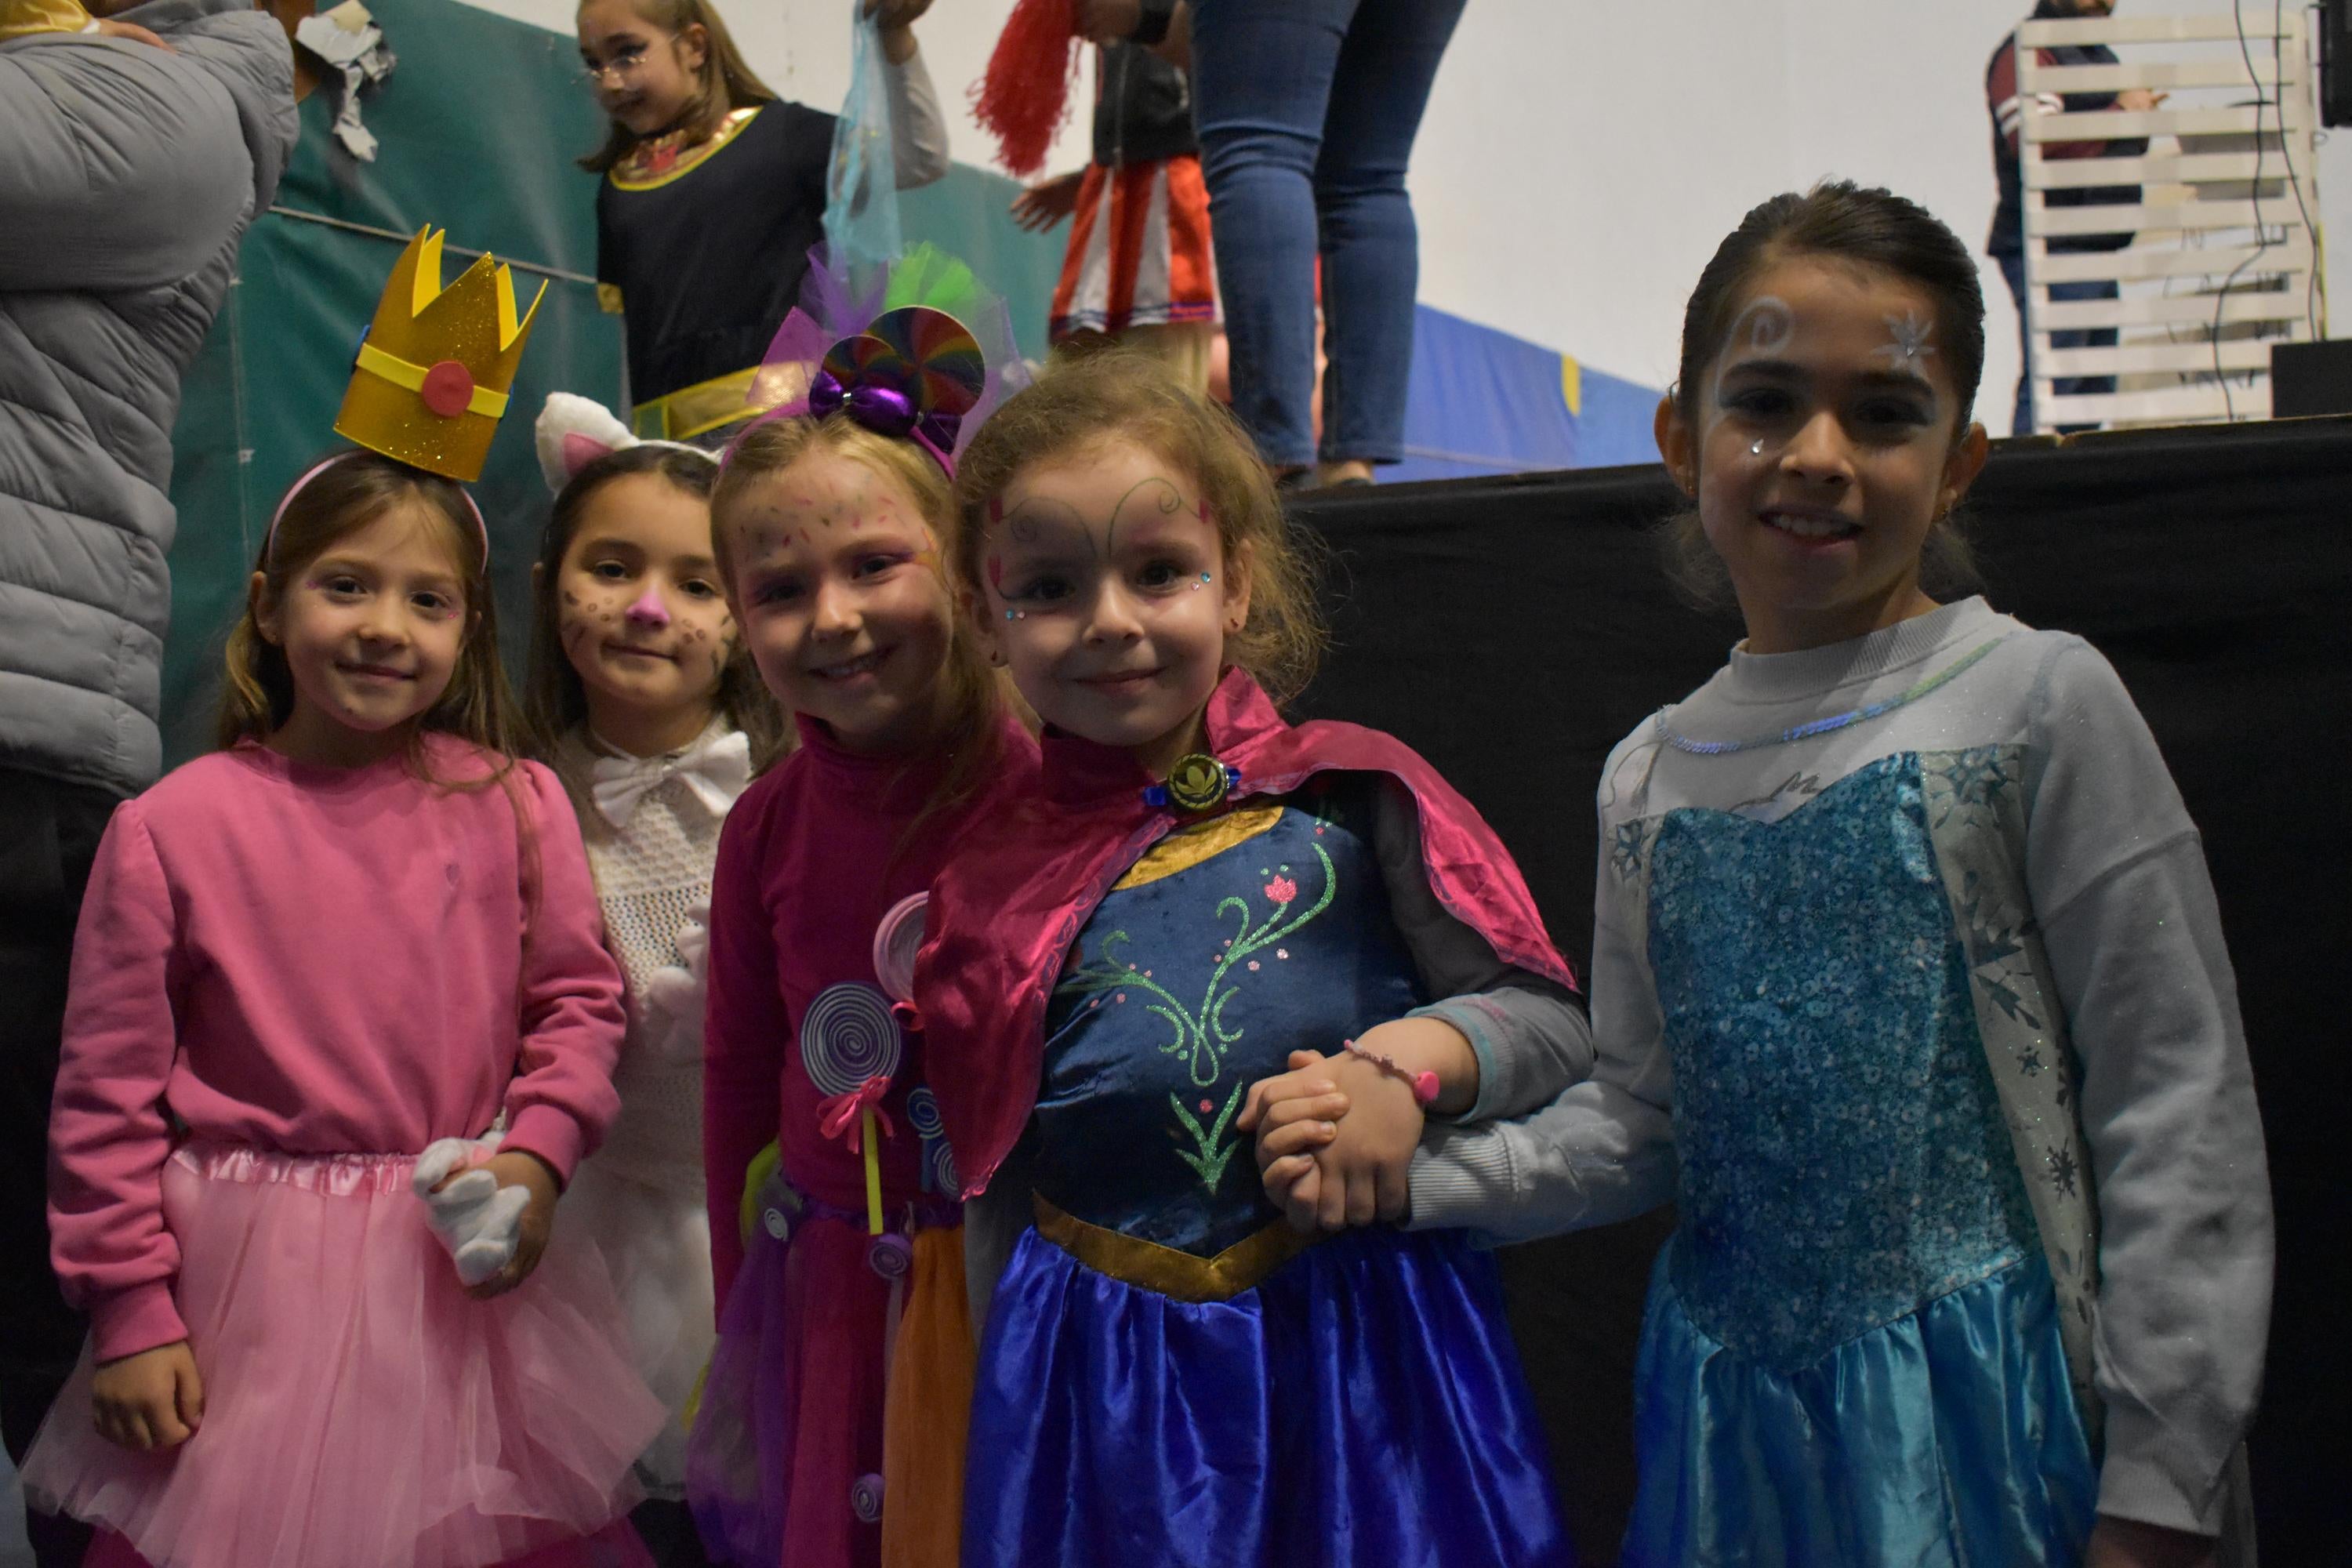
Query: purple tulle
x,y
835,305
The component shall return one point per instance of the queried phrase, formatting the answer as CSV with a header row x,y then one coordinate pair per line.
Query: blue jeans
x,y
1307,110
2012,267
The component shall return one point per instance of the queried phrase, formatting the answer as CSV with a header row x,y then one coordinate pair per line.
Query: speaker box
x,y
2311,378
2336,62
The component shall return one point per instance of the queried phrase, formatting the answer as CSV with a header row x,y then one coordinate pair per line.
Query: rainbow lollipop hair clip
x,y
912,374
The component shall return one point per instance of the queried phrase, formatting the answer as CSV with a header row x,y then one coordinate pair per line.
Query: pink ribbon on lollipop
x,y
840,1113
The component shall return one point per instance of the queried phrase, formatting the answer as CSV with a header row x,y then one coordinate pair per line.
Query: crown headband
x,y
269,540
431,375
429,378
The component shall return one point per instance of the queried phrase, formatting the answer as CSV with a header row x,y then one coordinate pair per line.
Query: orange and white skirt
x,y
1138,253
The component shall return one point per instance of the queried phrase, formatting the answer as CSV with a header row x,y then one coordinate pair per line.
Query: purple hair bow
x,y
887,411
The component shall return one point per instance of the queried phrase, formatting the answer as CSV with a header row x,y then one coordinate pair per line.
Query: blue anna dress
x,y
1854,1353
1169,1375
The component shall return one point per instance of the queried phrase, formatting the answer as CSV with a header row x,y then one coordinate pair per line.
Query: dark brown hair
x,y
344,497
1864,227
553,700
726,83
975,698
1118,394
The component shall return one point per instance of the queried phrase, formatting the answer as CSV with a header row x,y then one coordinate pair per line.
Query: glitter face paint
x,y
1095,567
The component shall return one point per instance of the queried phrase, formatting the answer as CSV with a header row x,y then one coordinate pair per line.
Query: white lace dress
x,y
640,1196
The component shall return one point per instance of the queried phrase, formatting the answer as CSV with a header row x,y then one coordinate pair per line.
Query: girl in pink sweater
x,y
356,931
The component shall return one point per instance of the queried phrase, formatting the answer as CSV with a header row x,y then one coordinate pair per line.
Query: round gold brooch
x,y
1198,783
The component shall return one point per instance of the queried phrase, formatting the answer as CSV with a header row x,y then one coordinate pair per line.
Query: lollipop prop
x,y
851,1047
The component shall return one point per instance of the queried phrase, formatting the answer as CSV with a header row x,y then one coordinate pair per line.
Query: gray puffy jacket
x,y
127,177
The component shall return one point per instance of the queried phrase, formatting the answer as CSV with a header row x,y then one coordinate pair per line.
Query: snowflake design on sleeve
x,y
1626,851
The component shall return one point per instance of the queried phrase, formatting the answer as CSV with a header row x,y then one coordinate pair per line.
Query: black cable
x,y
2261,235
2293,182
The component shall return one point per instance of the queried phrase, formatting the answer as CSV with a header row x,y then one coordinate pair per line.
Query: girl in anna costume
x,y
1169,1374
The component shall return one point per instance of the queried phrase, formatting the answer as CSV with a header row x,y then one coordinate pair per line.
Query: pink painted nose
x,y
649,610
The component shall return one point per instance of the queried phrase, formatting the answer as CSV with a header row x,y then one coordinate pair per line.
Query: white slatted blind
x,y
2224,260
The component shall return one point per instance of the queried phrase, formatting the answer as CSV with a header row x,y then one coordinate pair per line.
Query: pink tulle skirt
x,y
615,1546
361,1410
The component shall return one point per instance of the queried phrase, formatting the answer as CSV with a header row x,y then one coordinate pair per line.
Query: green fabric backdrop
x,y
478,126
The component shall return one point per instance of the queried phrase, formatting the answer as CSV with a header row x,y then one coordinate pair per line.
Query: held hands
x,y
1337,1134
1047,203
149,1401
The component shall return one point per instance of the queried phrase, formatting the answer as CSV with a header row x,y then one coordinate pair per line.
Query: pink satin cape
x,y
1018,890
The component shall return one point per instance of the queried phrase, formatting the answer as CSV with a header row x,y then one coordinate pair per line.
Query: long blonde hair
x,y
725,82
974,701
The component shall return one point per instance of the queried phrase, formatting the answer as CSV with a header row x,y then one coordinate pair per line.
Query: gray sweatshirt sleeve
x,y
2118,881
1603,1150
919,134
1530,1035
993,1222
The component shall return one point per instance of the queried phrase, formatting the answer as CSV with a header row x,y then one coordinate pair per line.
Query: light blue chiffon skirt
x,y
1948,1439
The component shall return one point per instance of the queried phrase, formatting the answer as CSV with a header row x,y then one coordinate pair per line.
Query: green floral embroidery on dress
x,y
1200,1034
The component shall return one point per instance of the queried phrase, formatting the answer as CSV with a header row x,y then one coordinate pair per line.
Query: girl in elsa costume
x,y
1910,992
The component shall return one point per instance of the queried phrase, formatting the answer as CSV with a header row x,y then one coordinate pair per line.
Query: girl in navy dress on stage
x,y
713,190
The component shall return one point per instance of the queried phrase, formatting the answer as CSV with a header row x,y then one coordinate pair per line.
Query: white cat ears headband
x,y
574,432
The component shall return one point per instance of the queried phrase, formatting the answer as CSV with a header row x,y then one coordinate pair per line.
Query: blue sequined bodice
x,y
1843,1154
1235,943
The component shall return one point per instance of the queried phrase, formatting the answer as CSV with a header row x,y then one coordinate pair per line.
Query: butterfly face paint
x,y
1907,339
1109,566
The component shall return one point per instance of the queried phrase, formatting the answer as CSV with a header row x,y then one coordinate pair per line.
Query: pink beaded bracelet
x,y
1424,1083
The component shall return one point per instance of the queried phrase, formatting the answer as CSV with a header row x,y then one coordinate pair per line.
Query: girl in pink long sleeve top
x,y
832,1424
356,931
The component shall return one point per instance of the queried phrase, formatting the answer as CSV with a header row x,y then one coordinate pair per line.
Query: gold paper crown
x,y
434,369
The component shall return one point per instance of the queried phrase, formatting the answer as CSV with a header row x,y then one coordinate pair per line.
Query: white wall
x,y
1580,161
